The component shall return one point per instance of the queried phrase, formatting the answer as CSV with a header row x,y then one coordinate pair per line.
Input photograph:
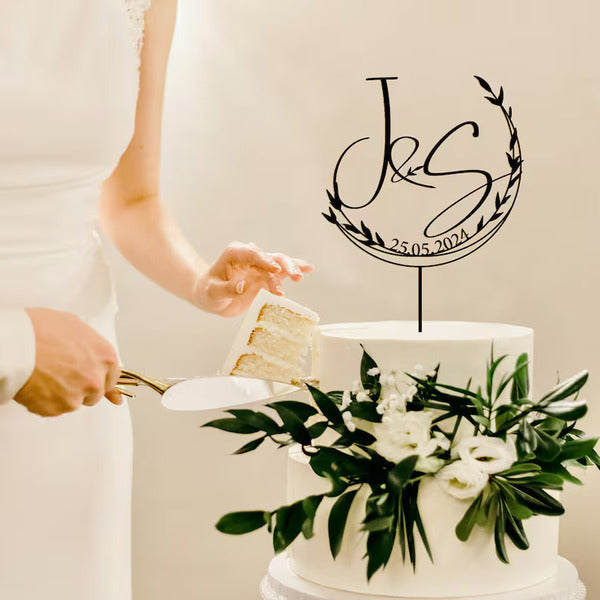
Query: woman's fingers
x,y
114,396
239,255
292,267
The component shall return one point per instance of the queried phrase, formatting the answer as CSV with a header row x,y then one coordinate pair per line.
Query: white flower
x,y
429,464
400,435
356,387
362,396
411,391
346,400
462,480
347,416
373,372
488,454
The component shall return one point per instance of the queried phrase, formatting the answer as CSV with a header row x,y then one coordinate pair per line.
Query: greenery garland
x,y
543,433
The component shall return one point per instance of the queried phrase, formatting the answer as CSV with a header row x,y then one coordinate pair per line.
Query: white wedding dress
x,y
68,89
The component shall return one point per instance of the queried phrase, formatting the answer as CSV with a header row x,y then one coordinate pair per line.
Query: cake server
x,y
208,393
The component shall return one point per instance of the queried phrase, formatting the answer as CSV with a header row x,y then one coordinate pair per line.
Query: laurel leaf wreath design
x,y
365,236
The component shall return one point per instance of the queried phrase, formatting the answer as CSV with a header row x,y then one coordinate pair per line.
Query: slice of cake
x,y
273,339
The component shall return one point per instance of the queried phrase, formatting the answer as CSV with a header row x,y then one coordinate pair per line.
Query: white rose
x,y
462,480
400,435
488,454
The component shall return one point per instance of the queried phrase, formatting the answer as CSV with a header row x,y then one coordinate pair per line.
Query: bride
x,y
81,94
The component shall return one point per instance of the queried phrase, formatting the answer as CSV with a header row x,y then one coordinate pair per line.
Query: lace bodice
x,y
136,10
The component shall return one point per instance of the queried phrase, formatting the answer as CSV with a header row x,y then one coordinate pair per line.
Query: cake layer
x,y
272,340
459,568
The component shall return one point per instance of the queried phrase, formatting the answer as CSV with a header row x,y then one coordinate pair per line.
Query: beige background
x,y
261,97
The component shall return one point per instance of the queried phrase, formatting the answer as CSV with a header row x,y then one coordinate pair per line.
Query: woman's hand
x,y
228,286
74,365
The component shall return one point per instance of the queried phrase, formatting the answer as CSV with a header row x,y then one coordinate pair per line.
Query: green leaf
x,y
519,469
518,510
238,523
369,382
520,386
293,425
538,501
309,506
499,534
562,471
399,475
567,410
379,550
526,438
504,413
326,405
334,462
565,389
378,523
547,447
516,532
466,524
253,445
317,429
491,371
288,525
301,409
256,419
232,426
366,411
337,521
577,449
482,421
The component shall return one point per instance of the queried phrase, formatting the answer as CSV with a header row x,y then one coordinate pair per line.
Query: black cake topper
x,y
463,225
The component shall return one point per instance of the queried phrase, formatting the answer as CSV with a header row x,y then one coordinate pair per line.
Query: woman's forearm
x,y
148,238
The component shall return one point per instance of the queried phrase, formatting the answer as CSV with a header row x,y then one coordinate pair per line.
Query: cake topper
x,y
433,237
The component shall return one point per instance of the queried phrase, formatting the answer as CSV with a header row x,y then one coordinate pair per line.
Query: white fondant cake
x,y
459,568
273,338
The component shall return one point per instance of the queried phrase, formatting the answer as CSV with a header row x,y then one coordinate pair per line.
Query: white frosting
x,y
459,568
249,323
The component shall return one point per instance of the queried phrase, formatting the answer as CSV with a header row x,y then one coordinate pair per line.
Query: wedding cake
x,y
420,467
458,568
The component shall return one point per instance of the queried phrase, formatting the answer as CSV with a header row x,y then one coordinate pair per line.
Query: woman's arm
x,y
140,225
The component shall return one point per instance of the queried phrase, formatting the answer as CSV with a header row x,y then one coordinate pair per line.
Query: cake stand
x,y
281,583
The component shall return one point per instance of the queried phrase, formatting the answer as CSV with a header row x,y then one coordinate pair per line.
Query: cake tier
x,y
459,568
281,583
